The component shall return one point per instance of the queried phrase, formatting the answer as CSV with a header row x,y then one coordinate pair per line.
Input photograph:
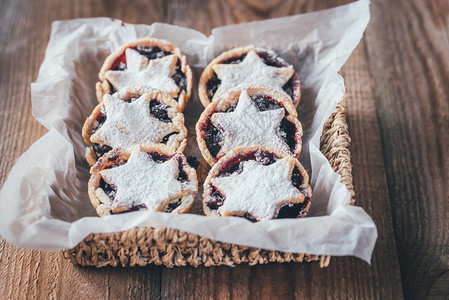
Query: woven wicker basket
x,y
145,245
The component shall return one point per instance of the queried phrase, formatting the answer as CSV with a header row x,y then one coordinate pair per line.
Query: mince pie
x,y
248,65
257,183
248,115
150,177
135,115
151,62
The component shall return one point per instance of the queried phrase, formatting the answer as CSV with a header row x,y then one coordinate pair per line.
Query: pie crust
x,y
155,171
209,82
155,49
214,140
257,183
163,113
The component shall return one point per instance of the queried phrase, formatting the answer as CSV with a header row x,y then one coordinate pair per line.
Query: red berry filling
x,y
159,111
99,149
264,102
172,205
182,175
290,210
235,164
138,207
213,137
216,199
250,217
109,189
293,211
152,53
289,87
212,86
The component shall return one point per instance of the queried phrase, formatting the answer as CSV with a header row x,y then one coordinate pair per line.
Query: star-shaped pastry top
x,y
131,123
247,126
252,70
259,189
144,181
141,71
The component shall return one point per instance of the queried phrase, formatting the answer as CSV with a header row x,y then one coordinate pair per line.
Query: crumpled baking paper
x,y
44,201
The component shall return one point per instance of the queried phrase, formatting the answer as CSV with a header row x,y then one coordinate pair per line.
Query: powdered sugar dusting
x,y
247,126
259,189
144,181
252,70
141,71
130,123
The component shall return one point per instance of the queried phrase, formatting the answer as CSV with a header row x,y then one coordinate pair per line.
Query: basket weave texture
x,y
141,246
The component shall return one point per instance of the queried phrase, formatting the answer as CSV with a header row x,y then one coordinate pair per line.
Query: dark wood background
x,y
398,84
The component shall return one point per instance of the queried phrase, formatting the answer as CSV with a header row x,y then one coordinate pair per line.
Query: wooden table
x,y
398,83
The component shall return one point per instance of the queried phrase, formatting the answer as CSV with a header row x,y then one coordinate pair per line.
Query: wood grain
x,y
398,119
409,62
277,280
30,274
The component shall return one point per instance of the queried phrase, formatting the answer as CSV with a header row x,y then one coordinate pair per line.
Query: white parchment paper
x,y
44,200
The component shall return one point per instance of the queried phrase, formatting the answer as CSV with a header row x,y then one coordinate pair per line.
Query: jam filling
x,y
158,157
182,175
172,205
214,137
152,53
293,210
264,102
138,207
100,149
289,87
289,134
167,137
250,217
111,190
290,210
216,199
235,164
297,178
212,86
157,110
